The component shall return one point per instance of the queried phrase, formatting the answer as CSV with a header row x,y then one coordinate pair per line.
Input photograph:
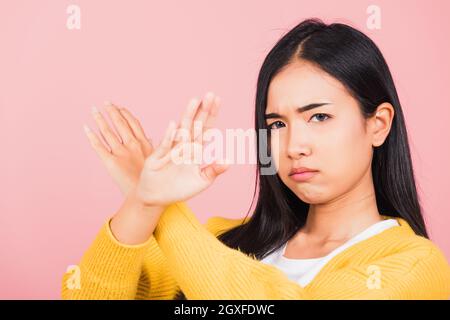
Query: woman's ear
x,y
381,123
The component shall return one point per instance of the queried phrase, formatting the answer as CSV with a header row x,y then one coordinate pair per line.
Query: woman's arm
x,y
135,222
124,261
111,269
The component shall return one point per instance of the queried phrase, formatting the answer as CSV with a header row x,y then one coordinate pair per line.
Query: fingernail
x,y
107,103
86,128
194,101
95,110
209,95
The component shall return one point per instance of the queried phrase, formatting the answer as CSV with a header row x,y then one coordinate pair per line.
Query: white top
x,y
303,271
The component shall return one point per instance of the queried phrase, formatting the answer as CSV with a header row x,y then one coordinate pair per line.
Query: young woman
x,y
340,218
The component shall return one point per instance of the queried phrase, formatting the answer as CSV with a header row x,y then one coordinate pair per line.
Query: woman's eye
x,y
321,117
270,126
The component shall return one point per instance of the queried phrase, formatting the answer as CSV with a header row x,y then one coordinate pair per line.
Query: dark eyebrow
x,y
299,110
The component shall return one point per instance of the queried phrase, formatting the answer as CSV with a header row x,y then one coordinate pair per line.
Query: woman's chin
x,y
308,194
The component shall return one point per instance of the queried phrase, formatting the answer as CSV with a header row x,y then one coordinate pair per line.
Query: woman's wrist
x,y
135,221
134,201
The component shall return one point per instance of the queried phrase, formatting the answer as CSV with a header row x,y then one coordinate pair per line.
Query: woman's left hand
x,y
125,152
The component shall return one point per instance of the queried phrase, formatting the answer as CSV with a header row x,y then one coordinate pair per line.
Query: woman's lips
x,y
304,176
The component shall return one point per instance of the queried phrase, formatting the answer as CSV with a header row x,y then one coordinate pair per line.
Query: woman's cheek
x,y
334,166
347,168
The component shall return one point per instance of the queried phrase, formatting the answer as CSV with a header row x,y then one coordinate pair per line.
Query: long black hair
x,y
354,59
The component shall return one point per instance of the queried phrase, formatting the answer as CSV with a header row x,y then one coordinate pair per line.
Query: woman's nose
x,y
298,143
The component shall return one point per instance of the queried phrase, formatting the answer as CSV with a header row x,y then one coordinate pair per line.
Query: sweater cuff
x,y
112,263
121,245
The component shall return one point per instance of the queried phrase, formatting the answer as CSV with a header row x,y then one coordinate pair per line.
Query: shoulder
x,y
419,253
429,266
218,225
404,240
428,251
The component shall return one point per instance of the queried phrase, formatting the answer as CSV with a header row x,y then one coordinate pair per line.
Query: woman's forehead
x,y
301,84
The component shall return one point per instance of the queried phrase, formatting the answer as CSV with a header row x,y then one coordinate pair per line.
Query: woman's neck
x,y
342,218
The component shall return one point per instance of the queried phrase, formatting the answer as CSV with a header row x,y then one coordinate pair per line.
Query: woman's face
x,y
332,138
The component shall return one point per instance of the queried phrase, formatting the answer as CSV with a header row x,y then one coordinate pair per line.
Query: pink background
x,y
152,57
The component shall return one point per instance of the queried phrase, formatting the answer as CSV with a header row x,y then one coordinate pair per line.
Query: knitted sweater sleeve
x,y
205,268
110,269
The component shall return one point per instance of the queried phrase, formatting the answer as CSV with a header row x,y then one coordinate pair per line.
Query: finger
x,y
186,120
212,171
166,144
212,115
175,154
138,132
97,145
134,124
109,136
202,116
119,122
213,112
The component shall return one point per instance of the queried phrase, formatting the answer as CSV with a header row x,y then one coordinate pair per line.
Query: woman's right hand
x,y
163,180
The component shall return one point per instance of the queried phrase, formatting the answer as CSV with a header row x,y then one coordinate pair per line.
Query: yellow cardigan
x,y
184,254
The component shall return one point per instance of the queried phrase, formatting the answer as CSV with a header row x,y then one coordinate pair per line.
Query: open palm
x,y
172,173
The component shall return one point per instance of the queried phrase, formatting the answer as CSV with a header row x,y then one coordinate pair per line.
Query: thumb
x,y
215,169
